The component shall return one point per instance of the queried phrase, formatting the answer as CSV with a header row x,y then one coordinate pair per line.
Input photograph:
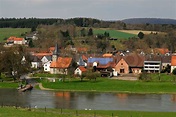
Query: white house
x,y
16,40
46,66
80,70
45,59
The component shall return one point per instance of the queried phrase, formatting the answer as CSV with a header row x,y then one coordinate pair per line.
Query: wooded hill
x,y
149,21
136,24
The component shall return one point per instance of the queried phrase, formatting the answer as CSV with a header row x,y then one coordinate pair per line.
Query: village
x,y
123,62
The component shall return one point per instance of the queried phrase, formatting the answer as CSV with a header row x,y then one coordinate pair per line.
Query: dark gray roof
x,y
49,58
56,51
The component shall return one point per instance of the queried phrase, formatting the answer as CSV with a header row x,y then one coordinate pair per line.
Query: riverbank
x,y
8,85
45,112
111,85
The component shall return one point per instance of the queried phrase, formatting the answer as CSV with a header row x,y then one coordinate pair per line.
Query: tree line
x,y
81,22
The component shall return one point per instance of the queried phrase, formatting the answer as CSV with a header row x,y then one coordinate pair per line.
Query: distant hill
x,y
149,20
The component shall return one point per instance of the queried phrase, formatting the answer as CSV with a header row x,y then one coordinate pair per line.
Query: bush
x,y
145,77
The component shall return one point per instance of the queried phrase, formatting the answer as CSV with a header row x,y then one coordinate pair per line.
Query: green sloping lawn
x,y
114,33
7,32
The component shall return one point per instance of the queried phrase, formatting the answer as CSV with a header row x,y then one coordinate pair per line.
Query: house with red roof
x,y
16,40
80,70
132,63
161,51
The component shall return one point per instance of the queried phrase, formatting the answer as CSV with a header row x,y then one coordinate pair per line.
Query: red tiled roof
x,y
51,49
173,60
18,39
162,50
41,55
81,49
83,69
84,57
134,60
110,64
12,38
61,63
107,55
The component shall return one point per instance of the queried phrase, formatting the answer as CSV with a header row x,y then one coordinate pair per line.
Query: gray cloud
x,y
101,9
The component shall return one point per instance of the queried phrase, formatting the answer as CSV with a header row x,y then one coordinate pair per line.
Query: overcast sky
x,y
100,9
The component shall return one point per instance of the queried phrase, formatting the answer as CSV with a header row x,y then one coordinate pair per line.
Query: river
x,y
88,100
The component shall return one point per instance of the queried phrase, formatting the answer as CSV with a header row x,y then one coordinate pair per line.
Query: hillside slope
x,y
149,20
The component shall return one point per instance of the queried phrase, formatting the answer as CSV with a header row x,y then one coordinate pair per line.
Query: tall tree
x,y
12,63
141,35
90,32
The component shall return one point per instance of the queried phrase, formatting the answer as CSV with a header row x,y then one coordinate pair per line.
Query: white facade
x,y
115,73
95,64
172,68
78,71
58,71
46,66
152,66
44,60
19,42
35,65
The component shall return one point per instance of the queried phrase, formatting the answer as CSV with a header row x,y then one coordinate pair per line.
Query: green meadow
x,y
114,33
27,112
112,85
7,32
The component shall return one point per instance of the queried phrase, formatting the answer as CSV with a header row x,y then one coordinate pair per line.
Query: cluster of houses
x,y
107,64
13,40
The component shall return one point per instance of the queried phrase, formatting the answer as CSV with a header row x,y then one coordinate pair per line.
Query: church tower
x,y
55,53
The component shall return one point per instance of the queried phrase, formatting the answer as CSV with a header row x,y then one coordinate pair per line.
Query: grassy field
x,y
8,84
7,32
114,33
165,85
162,83
25,112
135,32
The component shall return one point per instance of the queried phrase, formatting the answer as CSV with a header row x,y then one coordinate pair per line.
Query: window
x,y
121,63
122,71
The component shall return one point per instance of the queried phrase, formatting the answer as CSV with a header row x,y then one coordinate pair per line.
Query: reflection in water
x,y
88,100
173,97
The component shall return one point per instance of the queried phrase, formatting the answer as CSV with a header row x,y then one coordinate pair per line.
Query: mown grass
x,y
114,33
7,32
24,112
112,85
8,85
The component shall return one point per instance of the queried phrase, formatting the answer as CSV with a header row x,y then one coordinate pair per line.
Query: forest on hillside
x,y
79,32
82,22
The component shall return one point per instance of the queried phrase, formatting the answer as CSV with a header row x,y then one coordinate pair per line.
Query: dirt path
x,y
43,88
127,77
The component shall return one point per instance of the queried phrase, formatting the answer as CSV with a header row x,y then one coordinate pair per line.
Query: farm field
x,y
135,32
7,32
114,33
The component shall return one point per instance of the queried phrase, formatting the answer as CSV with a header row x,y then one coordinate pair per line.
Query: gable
x,y
122,63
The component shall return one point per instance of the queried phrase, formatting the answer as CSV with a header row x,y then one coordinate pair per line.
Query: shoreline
x,y
95,91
